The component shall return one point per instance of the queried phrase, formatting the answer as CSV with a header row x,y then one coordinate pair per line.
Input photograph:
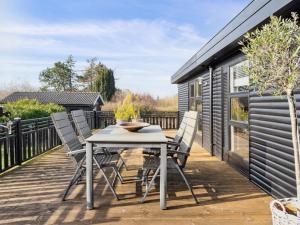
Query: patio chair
x,y
176,139
177,158
75,150
85,131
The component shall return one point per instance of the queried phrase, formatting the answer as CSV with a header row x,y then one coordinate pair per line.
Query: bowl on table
x,y
133,126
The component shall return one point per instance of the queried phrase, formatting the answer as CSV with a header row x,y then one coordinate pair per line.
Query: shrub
x,y
127,110
29,109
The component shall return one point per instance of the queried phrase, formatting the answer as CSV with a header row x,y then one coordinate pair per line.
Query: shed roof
x,y
61,98
254,14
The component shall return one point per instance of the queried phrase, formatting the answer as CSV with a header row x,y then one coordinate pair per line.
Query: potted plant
x,y
273,53
127,111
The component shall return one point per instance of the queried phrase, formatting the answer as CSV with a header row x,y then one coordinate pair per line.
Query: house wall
x,y
271,152
271,162
206,119
183,98
70,108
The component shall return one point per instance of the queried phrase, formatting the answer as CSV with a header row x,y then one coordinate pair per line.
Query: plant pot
x,y
283,211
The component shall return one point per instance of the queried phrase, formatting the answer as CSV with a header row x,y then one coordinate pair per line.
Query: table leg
x,y
89,176
163,176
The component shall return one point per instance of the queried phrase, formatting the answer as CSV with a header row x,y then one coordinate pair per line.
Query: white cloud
x,y
143,53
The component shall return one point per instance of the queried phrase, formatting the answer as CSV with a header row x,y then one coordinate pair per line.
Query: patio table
x,y
113,136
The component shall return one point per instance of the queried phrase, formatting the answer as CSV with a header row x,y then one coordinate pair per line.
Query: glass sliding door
x,y
239,131
195,104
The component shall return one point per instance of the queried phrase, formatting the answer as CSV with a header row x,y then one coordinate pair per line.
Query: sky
x,y
144,42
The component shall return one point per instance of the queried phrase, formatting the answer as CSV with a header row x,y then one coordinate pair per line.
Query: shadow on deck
x,y
32,195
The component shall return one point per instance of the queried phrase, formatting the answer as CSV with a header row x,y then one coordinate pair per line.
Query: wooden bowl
x,y
133,126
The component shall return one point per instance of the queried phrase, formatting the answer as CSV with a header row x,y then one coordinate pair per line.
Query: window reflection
x,y
192,90
192,104
198,87
239,80
239,108
240,141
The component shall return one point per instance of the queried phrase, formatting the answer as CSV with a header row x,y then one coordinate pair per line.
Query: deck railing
x,y
30,138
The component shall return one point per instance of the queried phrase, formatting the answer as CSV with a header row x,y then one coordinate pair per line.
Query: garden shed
x,y
86,101
250,132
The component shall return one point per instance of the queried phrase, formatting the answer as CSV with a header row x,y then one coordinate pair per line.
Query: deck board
x,y
31,195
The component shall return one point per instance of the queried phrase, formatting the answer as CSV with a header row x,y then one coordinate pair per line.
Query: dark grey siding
x,y
225,75
206,112
271,151
183,98
217,91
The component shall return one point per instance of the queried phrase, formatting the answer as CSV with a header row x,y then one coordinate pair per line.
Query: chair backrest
x,y
188,137
66,133
81,124
181,129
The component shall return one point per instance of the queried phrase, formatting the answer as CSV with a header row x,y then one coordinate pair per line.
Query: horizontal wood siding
x,y
271,151
206,113
218,113
226,112
183,99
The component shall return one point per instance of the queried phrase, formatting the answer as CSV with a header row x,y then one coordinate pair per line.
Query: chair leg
x,y
72,182
109,184
118,174
123,163
144,177
106,179
186,182
150,185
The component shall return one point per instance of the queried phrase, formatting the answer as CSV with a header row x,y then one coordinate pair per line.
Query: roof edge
x,y
255,13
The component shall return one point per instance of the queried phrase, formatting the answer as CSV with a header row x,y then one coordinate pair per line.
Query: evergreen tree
x,y
104,82
60,77
89,74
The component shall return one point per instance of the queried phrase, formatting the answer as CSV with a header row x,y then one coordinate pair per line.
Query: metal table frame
x,y
125,144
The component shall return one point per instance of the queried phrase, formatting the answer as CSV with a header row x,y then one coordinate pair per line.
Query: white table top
x,y
113,134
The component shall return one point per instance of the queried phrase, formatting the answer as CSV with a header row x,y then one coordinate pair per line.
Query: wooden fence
x,y
30,138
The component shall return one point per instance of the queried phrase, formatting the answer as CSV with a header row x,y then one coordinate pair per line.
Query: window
x,y
195,102
239,108
239,86
195,92
192,96
239,80
240,141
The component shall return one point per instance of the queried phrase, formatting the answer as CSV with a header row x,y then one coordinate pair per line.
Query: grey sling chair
x,y
85,132
178,157
75,150
176,139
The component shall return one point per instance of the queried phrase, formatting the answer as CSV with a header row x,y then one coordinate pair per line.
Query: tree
x,y
97,77
273,53
60,77
89,74
104,82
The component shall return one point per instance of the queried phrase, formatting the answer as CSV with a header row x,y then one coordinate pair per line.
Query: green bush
x,y
127,110
29,109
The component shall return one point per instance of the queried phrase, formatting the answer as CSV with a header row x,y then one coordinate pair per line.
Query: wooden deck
x,y
31,195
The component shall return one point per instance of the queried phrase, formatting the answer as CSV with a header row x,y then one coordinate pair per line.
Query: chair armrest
x,y
173,143
75,152
168,137
178,152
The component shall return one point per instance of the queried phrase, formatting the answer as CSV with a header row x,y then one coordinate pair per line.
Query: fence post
x,y
95,119
178,119
18,141
48,134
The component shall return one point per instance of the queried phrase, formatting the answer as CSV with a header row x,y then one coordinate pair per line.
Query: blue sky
x,y
145,42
